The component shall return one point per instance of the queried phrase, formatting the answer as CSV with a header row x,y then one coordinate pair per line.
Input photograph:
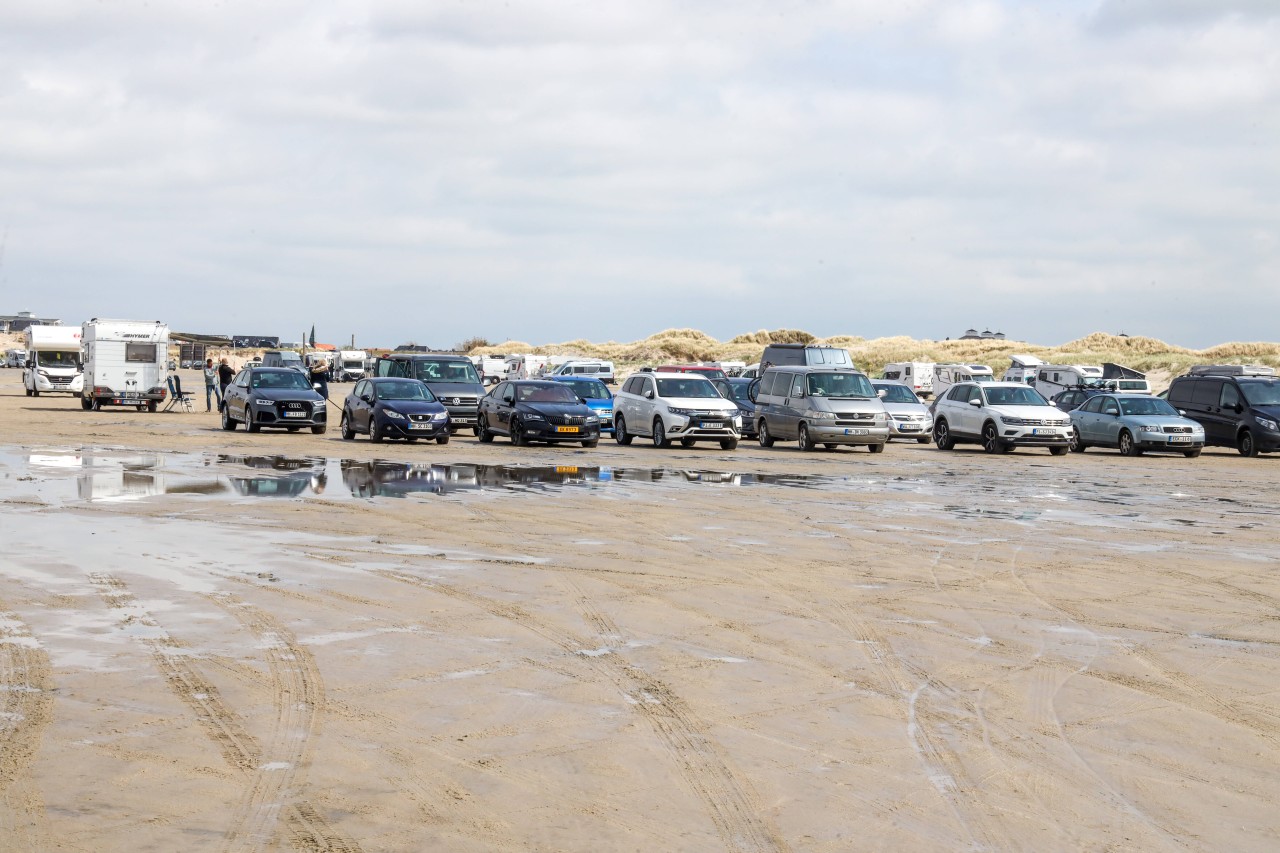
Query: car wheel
x,y
830,446
1191,454
152,406
589,444
728,444
375,430
942,436
1245,443
227,424
482,433
347,432
475,430
877,448
444,439
248,420
991,439
517,433
620,431
660,434
34,392
924,439
318,429
1127,447
86,403
762,434
805,440
28,392
1057,451
1077,444
687,442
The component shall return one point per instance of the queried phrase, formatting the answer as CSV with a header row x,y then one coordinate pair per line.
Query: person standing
x,y
320,376
225,375
211,390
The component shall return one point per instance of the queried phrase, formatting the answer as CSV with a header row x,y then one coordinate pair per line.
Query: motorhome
x,y
15,357
917,375
595,369
126,363
1053,378
53,361
946,375
1022,369
526,366
1126,379
348,365
492,368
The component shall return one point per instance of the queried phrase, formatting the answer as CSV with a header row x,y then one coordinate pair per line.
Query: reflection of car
x,y
299,475
276,397
536,410
669,406
389,479
738,389
1000,416
1134,423
594,393
908,417
1073,398
391,407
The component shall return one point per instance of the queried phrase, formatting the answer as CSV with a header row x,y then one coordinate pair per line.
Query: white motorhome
x,y
126,363
492,368
917,375
348,365
53,361
1022,369
1052,378
527,366
946,375
15,358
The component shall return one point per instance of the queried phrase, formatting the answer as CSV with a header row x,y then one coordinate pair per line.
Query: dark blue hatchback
x,y
394,407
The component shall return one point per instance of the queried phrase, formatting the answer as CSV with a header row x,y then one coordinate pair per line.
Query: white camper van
x,y
348,365
946,375
1052,378
917,375
126,363
15,358
1022,369
527,366
53,361
492,368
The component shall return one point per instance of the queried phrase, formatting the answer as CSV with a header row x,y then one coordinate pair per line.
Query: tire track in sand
x,y
729,800
273,771
26,706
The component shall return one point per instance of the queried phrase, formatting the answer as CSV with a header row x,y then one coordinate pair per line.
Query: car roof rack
x,y
1232,370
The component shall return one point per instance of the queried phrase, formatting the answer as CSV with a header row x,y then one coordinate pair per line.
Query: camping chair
x,y
177,397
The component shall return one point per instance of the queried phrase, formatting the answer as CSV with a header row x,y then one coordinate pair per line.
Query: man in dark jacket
x,y
225,375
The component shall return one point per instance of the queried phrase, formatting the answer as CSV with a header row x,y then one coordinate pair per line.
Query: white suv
x,y
1000,416
674,406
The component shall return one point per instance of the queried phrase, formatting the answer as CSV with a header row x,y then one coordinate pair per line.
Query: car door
x,y
1085,419
1227,413
645,404
239,395
489,403
1109,424
504,406
793,406
360,411
1206,406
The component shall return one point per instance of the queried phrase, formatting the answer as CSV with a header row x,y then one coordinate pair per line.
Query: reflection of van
x,y
916,375
779,355
815,406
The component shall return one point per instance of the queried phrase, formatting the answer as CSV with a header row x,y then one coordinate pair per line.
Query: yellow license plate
x,y
566,469
566,429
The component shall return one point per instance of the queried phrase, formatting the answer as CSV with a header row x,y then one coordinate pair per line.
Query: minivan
x,y
1237,406
452,378
826,406
782,355
283,358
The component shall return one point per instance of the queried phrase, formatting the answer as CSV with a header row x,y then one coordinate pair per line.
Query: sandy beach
x,y
222,641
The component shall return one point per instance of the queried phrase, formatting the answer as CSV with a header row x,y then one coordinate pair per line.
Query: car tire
x,y
620,434
991,439
475,430
660,434
805,440
688,442
1245,443
590,444
28,392
319,429
942,436
482,433
1058,451
227,423
1077,445
517,433
1126,445
248,420
762,434
830,446
728,444
152,406
375,431
347,432
86,403
34,392
923,439
1191,454
444,439
877,448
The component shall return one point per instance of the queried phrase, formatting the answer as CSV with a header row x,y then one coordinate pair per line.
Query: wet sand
x,y
218,641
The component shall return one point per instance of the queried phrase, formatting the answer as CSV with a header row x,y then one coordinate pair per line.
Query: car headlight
x,y
258,402
1266,423
395,416
682,412
592,419
439,416
43,373
532,416
1010,421
823,416
1150,428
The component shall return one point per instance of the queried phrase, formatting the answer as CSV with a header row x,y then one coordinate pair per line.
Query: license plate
x,y
711,425
1179,439
461,420
131,395
419,426
908,428
566,469
566,429
1044,432
295,414
857,432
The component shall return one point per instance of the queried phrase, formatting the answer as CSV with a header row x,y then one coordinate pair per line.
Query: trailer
x,y
917,375
126,363
53,361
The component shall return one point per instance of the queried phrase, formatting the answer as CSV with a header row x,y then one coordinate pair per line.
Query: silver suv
x,y
670,407
1000,416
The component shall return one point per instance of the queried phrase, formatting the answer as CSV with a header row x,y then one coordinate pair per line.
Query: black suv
x,y
452,378
1238,406
273,397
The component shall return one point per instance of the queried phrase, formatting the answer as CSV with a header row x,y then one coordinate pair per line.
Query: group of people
x,y
218,377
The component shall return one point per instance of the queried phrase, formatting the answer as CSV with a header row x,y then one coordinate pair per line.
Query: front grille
x,y
1175,430
460,401
59,380
420,418
854,417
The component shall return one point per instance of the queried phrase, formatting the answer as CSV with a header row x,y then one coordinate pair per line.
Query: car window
x,y
1230,396
1208,392
1261,392
242,379
556,393
898,394
975,393
693,386
1181,390
1092,404
403,389
1146,406
1020,396
797,385
361,388
1109,406
960,393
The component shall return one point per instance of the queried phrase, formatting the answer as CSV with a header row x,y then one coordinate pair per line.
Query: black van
x,y
1238,406
452,378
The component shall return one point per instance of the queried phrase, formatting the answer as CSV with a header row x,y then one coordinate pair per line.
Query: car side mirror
x,y
368,398
315,385
508,400
1239,409
1182,412
881,393
977,404
648,395
30,363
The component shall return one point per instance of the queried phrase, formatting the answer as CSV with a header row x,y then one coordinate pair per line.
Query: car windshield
x,y
57,358
740,391
404,389
1261,393
553,393
1014,397
1147,406
447,371
290,380
840,385
589,389
1132,384
694,386
898,394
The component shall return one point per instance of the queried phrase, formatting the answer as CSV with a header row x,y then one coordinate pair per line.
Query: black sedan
x,y
537,410
394,407
275,397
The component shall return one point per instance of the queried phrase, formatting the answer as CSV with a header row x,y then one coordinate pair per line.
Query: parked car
x,y
819,405
594,368
1238,406
1134,423
1000,416
283,358
452,378
908,417
536,410
275,397
1073,398
711,371
595,394
391,407
670,407
740,393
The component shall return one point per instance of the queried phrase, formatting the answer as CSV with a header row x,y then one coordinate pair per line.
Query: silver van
x,y
826,406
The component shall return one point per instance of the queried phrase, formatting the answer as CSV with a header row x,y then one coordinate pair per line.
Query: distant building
x,y
21,321
255,341
987,335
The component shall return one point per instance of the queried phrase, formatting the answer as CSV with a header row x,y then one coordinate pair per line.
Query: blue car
x,y
595,394
394,407
1134,423
738,387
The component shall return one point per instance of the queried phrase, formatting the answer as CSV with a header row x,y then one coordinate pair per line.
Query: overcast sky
x,y
411,170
